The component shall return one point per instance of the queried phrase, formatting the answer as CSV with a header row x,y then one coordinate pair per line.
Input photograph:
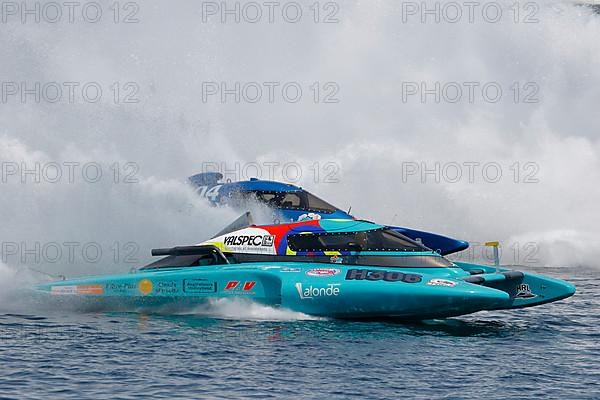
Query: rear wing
x,y
186,256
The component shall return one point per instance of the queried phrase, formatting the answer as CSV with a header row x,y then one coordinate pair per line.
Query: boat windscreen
x,y
382,239
298,200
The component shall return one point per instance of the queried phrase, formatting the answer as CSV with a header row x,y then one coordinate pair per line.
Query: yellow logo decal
x,y
145,286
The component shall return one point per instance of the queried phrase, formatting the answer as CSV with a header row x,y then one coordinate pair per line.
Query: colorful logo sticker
x,y
235,286
249,240
336,259
321,272
145,286
309,217
88,290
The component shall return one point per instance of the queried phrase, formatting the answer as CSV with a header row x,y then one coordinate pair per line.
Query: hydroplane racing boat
x,y
332,268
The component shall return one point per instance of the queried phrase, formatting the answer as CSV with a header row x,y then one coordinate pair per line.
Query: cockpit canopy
x,y
299,200
382,239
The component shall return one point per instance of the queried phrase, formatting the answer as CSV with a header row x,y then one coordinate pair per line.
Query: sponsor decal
x,y
523,292
166,287
381,275
61,290
268,240
121,287
77,289
323,272
311,292
199,286
336,259
308,217
441,282
236,286
90,289
290,269
249,240
145,286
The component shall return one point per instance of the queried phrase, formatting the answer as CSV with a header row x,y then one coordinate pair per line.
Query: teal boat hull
x,y
327,290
